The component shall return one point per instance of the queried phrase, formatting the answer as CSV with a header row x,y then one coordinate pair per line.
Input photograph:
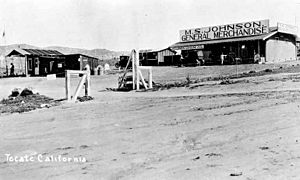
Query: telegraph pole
x,y
4,44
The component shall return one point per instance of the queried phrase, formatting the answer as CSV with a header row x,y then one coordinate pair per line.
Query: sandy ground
x,y
250,129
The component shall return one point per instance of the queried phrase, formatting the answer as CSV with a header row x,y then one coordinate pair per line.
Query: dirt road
x,y
249,129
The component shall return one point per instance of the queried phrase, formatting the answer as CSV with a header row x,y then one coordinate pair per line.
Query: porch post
x,y
238,45
258,47
81,63
26,66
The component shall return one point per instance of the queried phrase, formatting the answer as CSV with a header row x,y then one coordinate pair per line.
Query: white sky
x,y
127,24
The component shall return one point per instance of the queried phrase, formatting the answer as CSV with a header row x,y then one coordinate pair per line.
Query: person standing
x,y
106,68
12,69
222,58
256,58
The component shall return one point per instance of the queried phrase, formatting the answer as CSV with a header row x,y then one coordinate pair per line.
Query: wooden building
x,y
156,57
248,42
79,61
39,62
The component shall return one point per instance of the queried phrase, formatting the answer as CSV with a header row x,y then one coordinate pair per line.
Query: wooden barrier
x,y
85,80
126,70
137,74
140,76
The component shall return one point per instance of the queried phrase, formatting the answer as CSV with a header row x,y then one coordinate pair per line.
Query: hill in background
x,y
102,54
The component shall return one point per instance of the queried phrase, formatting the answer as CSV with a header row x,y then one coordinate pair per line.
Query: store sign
x,y
286,28
189,47
225,31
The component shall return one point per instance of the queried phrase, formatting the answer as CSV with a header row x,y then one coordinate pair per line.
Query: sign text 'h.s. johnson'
x,y
225,31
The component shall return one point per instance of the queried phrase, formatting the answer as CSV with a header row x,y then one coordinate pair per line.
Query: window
x,y
29,64
36,60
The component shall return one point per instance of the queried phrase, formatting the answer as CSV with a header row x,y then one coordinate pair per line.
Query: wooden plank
x,y
150,78
136,67
125,71
88,81
137,82
76,72
81,63
79,87
68,83
26,66
142,79
133,71
145,67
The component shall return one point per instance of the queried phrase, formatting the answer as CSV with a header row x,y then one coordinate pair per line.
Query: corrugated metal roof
x,y
41,52
17,52
180,45
35,52
145,50
154,50
78,54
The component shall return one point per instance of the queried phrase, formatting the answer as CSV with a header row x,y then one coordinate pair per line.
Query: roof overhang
x,y
17,52
157,50
200,44
84,55
43,52
270,35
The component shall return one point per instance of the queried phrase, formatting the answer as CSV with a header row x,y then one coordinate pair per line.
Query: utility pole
x,y
5,49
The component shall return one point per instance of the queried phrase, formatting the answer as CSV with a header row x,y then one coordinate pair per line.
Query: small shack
x,y
36,62
39,62
79,61
157,57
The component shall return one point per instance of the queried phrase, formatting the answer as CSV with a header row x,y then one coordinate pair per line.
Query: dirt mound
x,y
84,98
26,103
26,92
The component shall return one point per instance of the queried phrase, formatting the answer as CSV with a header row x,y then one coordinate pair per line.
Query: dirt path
x,y
249,129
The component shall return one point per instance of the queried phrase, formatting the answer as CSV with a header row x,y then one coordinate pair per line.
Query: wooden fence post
x,y
137,75
79,87
88,81
68,83
150,78
135,78
142,78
